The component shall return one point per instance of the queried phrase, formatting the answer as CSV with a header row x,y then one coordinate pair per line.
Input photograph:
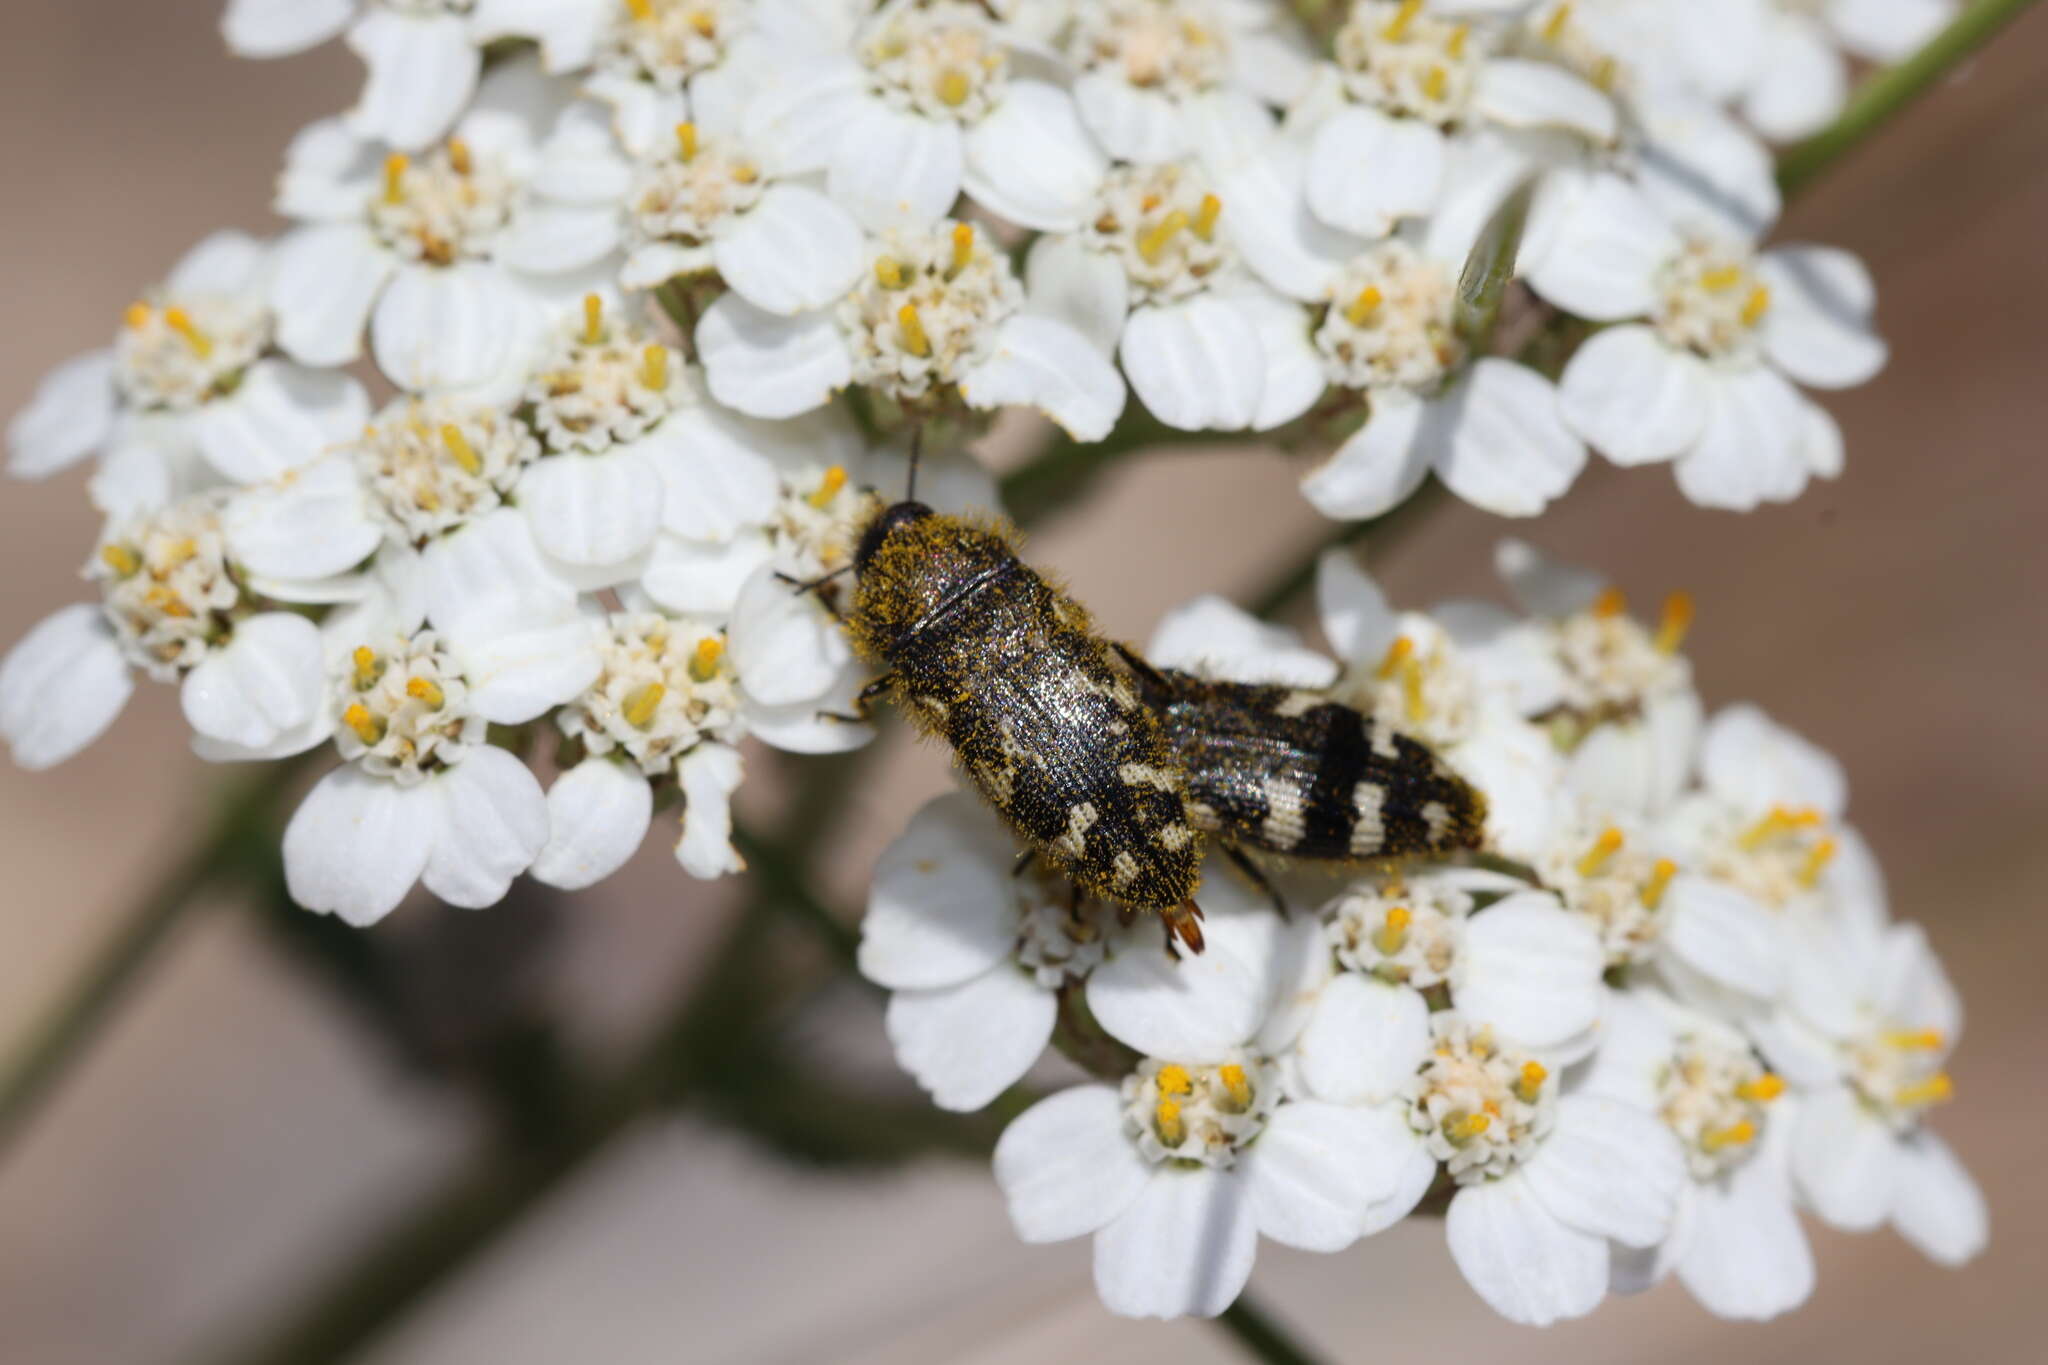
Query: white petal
x,y
61,686
1211,637
1598,249
459,327
279,28
692,576
715,482
966,1044
281,417
1085,289
517,629
1750,761
1514,763
1293,376
1704,169
784,646
1200,1007
1745,1254
1936,1205
1724,934
817,726
1817,327
1543,586
1483,168
798,120
568,30
1528,1266
1184,1247
581,162
550,239
768,366
1752,448
269,678
1366,171
1820,445
313,523
1887,30
1266,216
494,822
1043,363
1142,126
795,250
709,774
1633,398
1529,94
1352,608
1032,162
71,416
423,69
1846,1162
324,281
1417,1173
1317,1170
593,510
1609,1169
1186,365
1499,442
1803,83
943,907
357,843
1377,467
651,266
598,813
1532,969
893,168
1065,1166
1365,1040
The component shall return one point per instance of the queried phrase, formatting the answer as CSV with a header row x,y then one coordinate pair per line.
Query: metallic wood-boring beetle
x,y
984,653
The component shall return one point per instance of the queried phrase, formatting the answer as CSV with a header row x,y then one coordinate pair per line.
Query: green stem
x,y
1892,89
778,879
1262,1337
59,1040
1383,532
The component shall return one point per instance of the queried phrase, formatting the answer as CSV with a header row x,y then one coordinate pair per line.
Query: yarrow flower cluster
x,y
663,297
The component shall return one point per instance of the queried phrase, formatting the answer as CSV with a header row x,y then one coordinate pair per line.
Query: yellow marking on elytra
x,y
424,689
1763,1089
889,272
641,704
686,141
1530,1083
1676,621
1553,27
1916,1040
1364,306
1609,604
1205,217
1936,1089
1604,847
180,321
460,450
121,560
654,367
1738,1134
963,246
1392,935
137,316
704,659
1661,874
953,87
459,159
1817,859
1166,1119
1397,27
593,319
1756,305
1236,1087
368,728
828,487
395,167
367,668
1154,241
1464,1128
912,326
1721,279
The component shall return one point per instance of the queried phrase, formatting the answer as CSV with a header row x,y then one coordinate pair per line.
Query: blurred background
x,y
246,1129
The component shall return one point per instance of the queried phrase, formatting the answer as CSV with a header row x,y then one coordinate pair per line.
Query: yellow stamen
x,y
459,159
1603,848
1531,1083
1205,217
1763,1089
1411,690
426,690
1455,44
912,327
593,319
366,668
746,173
1436,82
177,554
121,560
1817,859
686,140
1173,1079
889,272
1397,27
368,728
1721,280
828,487
1936,1089
395,167
1677,620
654,368
1398,653
167,602
1756,305
1609,604
1660,879
137,316
1604,72
179,321
704,663
641,703
460,450
954,87
1468,1127
1553,27
1734,1135
1239,1089
703,21
643,10
1364,306
1392,935
1155,240
1166,1119
1781,820
963,246
1916,1040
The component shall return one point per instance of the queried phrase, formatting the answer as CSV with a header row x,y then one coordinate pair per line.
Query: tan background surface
x,y
236,1131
